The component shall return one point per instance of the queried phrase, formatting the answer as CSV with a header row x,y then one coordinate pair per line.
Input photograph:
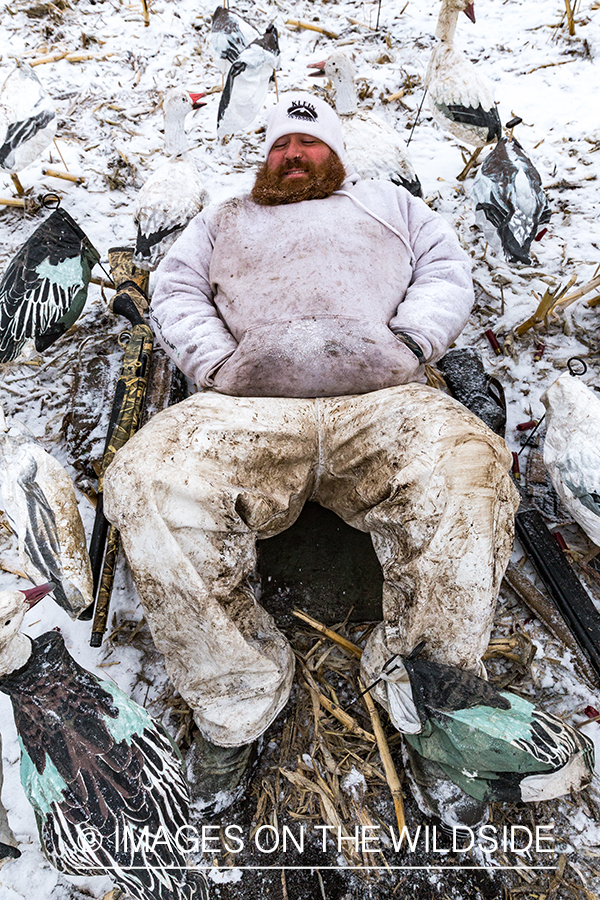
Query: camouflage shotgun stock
x,y
125,419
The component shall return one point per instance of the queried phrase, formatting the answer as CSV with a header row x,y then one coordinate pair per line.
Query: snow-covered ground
x,y
110,131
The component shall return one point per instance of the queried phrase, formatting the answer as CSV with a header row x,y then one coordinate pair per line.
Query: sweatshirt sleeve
x,y
183,315
440,296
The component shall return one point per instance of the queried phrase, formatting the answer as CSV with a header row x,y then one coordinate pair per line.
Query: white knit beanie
x,y
300,113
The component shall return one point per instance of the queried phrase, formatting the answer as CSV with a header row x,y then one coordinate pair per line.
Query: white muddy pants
x,y
196,487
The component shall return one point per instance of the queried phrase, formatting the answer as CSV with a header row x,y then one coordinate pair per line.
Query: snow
x,y
110,131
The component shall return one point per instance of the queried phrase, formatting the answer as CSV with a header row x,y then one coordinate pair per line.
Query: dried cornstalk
x,y
570,18
297,23
358,22
545,307
345,718
332,635
146,13
580,292
66,176
386,758
50,58
84,57
12,202
397,96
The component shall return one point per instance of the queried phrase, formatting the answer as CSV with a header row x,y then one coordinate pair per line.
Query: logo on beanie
x,y
301,109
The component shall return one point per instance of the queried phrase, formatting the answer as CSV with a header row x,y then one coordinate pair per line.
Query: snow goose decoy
x,y
510,203
229,35
460,98
374,148
44,289
247,83
96,768
174,193
39,499
27,121
572,449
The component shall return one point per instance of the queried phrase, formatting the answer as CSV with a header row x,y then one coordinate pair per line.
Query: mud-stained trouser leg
x,y
430,482
190,493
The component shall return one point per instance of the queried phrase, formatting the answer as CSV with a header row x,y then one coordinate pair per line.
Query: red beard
x,y
272,189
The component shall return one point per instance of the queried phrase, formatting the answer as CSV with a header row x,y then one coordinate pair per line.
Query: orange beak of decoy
x,y
470,11
197,100
320,69
35,594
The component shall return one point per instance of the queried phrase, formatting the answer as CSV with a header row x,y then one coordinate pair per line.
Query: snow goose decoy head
x,y
374,149
174,193
510,203
15,648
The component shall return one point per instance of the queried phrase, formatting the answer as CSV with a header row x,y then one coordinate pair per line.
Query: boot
x,y
468,382
218,776
128,277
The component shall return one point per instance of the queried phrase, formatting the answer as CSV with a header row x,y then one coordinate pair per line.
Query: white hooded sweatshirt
x,y
304,299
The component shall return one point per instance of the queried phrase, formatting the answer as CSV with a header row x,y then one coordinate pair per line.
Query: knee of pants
x,y
480,460
127,485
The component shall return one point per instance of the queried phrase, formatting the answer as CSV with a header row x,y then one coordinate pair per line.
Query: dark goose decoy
x,y
494,744
510,203
44,289
95,767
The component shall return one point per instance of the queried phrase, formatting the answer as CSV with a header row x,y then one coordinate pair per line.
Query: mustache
x,y
295,163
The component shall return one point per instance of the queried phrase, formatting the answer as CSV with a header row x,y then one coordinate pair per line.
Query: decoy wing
x,y
104,779
44,289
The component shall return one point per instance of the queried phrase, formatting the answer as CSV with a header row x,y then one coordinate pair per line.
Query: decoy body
x,y
510,203
44,289
229,35
247,83
460,98
374,148
174,193
27,119
95,767
39,500
494,744
572,449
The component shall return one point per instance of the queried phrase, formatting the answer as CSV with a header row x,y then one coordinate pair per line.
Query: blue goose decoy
x,y
39,500
229,35
96,768
572,449
460,97
493,744
44,289
510,203
373,148
247,83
